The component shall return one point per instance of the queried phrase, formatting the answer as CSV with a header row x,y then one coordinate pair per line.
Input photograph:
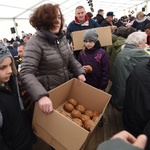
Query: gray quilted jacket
x,y
44,66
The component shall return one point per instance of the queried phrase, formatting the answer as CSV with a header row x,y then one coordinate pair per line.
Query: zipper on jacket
x,y
59,52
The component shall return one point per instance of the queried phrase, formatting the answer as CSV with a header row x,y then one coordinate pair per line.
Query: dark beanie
x,y
91,34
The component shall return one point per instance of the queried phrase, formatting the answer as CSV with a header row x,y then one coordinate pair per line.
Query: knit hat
x,y
4,52
91,34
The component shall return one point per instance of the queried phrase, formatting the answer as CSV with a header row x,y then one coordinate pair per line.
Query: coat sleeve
x,y
75,65
116,144
105,71
29,67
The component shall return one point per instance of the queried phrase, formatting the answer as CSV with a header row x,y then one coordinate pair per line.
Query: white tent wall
x,y
21,11
23,25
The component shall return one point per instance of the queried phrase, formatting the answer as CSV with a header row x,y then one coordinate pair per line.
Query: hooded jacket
x,y
113,51
15,130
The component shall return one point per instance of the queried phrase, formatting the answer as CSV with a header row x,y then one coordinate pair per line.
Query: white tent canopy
x,y
18,11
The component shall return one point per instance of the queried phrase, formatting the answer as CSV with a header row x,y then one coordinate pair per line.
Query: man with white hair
x,y
132,53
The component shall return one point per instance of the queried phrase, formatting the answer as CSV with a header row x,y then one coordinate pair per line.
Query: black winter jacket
x,y
136,113
16,132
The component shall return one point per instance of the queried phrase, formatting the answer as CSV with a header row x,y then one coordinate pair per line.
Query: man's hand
x,y
140,141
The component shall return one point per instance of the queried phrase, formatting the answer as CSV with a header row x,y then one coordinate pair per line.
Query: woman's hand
x,y
45,105
71,46
81,78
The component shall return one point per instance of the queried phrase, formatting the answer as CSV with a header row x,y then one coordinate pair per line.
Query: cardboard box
x,y
104,36
61,132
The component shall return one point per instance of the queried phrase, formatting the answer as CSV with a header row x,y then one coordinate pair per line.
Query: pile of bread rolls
x,y
79,114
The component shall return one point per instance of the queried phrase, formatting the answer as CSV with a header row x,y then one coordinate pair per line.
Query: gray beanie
x,y
91,34
4,52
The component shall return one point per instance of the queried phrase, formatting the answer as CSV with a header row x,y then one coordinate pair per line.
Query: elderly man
x,y
81,22
109,19
132,53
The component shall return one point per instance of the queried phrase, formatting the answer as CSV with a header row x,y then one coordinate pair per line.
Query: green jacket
x,y
113,51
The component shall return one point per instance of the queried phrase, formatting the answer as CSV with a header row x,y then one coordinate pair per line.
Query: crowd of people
x,y
35,64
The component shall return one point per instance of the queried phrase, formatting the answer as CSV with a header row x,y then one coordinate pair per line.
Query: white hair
x,y
136,38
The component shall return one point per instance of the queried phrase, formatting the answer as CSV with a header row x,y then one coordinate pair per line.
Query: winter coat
x,y
74,26
136,111
123,66
45,64
16,132
114,50
137,104
99,19
140,24
106,23
98,60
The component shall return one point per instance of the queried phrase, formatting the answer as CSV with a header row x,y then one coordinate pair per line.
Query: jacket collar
x,y
85,23
50,37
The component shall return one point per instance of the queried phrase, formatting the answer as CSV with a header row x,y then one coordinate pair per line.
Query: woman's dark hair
x,y
46,17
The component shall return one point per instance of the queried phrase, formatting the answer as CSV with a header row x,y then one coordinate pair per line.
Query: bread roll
x,y
81,108
84,117
95,118
88,68
88,124
73,102
68,107
89,113
96,113
76,113
78,121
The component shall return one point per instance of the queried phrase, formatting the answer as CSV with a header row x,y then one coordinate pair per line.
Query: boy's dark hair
x,y
100,10
147,26
128,31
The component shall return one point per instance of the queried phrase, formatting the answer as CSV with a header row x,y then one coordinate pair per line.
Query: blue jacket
x,y
74,26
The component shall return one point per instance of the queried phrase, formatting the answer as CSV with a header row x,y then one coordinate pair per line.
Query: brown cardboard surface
x,y
104,36
59,131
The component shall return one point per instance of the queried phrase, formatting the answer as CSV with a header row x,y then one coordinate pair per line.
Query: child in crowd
x,y
96,57
15,128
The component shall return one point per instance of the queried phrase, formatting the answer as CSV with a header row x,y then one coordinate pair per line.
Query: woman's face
x,y
139,17
5,69
58,25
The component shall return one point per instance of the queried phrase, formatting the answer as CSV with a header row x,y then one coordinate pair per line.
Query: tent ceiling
x,y
19,9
